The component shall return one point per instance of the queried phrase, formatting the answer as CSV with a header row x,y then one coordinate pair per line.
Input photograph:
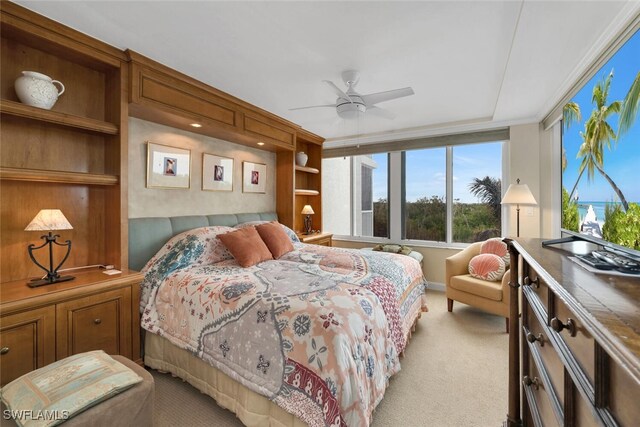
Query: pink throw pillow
x,y
497,247
487,267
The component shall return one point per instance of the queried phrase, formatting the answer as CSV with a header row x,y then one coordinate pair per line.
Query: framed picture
x,y
217,173
254,177
168,167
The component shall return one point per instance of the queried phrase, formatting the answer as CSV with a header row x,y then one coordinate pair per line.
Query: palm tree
x,y
630,107
592,155
489,191
598,135
570,113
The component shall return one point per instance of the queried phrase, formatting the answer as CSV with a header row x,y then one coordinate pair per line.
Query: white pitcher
x,y
301,158
38,90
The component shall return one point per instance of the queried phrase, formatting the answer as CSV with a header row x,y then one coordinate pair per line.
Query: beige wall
x,y
145,202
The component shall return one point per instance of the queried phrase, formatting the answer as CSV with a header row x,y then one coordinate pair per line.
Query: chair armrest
x,y
506,289
458,264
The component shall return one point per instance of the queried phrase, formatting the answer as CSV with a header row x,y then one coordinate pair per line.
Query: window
x,y
372,190
445,194
477,172
425,203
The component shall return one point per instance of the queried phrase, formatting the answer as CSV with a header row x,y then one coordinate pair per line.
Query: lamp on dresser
x,y
518,194
308,211
49,220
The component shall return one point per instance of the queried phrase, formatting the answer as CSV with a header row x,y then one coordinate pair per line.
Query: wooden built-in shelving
x,y
302,192
307,169
72,157
39,175
63,119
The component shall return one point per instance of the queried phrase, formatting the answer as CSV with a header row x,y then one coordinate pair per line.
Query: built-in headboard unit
x,y
147,235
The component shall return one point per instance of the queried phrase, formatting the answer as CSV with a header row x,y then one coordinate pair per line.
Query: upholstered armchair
x,y
492,297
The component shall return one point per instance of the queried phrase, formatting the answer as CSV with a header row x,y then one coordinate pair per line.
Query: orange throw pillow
x,y
246,246
275,238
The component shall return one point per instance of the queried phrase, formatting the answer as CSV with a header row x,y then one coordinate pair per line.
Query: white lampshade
x,y
49,220
307,210
518,194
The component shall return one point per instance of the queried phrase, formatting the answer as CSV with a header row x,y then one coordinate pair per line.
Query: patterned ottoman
x,y
131,407
413,254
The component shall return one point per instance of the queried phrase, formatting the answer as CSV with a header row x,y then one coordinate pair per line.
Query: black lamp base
x,y
41,282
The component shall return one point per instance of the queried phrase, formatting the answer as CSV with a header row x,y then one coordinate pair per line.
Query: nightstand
x,y
322,239
95,311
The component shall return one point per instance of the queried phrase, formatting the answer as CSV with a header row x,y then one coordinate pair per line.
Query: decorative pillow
x,y
246,246
497,247
275,238
67,387
193,247
292,234
487,267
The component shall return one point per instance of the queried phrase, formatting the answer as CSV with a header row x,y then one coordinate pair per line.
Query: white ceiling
x,y
468,62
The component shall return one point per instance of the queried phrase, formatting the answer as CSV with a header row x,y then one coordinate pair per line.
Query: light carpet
x,y
454,373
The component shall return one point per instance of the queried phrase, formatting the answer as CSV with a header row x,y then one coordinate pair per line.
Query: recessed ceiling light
x,y
260,143
196,125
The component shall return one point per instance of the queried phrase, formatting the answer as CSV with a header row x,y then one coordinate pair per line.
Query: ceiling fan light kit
x,y
350,104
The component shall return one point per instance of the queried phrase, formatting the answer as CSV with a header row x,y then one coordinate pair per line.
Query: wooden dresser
x,y
93,312
574,355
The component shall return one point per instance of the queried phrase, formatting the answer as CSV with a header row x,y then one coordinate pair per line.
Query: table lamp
x,y
518,194
49,220
308,211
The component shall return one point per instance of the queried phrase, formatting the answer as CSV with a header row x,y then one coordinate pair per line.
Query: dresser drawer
x,y
572,332
27,342
540,289
537,337
538,398
95,322
624,393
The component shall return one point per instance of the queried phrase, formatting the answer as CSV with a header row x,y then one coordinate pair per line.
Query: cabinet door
x,y
96,322
27,342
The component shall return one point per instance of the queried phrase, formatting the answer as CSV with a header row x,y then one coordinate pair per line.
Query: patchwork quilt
x,y
317,331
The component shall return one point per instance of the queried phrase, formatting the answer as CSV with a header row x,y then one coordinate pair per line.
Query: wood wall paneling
x,y
284,186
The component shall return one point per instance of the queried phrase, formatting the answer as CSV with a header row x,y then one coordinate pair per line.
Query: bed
x,y
310,338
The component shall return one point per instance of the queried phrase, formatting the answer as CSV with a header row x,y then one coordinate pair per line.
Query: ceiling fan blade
x,y
375,98
313,106
380,112
338,91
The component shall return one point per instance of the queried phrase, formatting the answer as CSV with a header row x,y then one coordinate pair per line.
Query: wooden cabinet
x,y
322,239
27,342
101,321
92,312
72,157
575,356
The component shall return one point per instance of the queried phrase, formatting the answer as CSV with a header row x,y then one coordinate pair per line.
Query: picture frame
x,y
254,177
168,167
217,173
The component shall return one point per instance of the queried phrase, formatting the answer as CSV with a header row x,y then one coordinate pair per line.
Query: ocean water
x,y
598,208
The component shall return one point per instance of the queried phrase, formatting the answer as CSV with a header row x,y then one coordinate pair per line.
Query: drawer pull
x,y
535,382
4,350
558,326
533,338
532,282
97,321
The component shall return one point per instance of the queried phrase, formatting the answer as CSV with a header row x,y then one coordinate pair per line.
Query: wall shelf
x,y
307,169
301,192
39,175
63,119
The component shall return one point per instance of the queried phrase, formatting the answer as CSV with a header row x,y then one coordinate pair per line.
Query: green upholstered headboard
x,y
147,235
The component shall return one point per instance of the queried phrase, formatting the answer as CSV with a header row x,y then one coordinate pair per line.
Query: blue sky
x,y
426,170
622,162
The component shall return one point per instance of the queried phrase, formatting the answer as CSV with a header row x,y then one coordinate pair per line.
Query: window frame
x,y
396,200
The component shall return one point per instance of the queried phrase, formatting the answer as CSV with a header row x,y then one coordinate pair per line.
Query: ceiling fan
x,y
350,103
